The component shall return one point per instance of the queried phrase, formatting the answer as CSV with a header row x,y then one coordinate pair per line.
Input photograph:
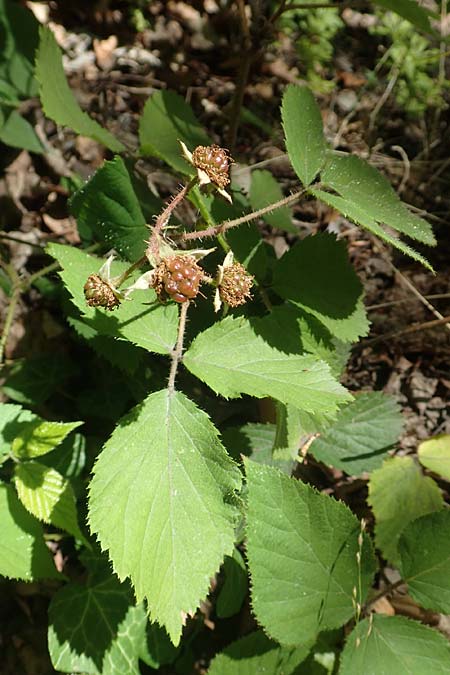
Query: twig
x,y
228,224
406,164
412,329
242,76
389,589
418,294
391,303
318,5
16,240
382,100
15,297
163,218
178,351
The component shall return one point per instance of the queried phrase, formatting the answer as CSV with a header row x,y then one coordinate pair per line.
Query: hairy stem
x,y
163,218
178,351
228,224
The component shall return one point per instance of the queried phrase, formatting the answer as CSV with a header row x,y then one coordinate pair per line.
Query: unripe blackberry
x,y
214,161
235,285
178,278
99,293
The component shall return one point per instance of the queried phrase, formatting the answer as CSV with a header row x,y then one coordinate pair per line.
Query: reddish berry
x,y
178,277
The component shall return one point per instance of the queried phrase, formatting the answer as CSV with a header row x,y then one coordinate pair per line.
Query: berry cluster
x,y
98,293
214,161
235,285
178,278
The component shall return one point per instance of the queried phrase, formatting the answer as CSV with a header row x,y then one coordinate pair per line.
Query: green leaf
x,y
166,119
18,132
18,43
23,553
34,380
9,425
289,433
303,129
424,550
39,437
256,653
255,441
157,649
233,359
234,589
393,644
316,275
47,495
362,185
162,487
141,320
360,216
434,453
409,10
398,494
122,355
265,190
69,459
107,205
301,549
96,629
291,329
363,432
58,100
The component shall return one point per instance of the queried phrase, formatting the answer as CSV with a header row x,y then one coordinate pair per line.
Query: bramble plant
x,y
179,501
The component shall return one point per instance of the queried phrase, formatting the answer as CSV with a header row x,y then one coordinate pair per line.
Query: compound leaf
x,y
434,453
316,275
37,437
234,589
107,205
163,486
392,644
166,119
362,185
23,553
18,133
399,493
96,629
364,430
256,653
141,320
359,215
58,100
303,130
301,548
46,494
424,550
233,359
265,190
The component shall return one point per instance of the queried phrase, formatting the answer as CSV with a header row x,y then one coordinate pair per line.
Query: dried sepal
x,y
142,283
